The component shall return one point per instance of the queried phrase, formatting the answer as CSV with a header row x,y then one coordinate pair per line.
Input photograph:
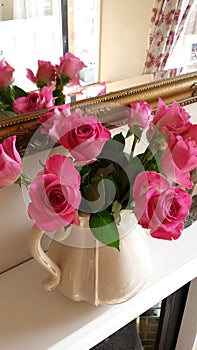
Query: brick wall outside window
x,y
148,326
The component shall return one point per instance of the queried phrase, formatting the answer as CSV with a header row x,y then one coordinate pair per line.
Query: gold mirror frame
x,y
109,108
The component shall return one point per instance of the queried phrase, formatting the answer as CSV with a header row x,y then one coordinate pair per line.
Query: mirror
x,y
128,54
109,108
32,31
114,52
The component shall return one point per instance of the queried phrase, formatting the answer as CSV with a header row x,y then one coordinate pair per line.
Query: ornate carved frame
x,y
109,108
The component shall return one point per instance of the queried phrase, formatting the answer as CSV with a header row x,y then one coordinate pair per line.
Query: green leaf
x,y
99,194
42,164
23,180
120,138
84,173
151,166
6,114
154,164
90,191
18,92
66,227
136,130
129,133
116,208
115,180
7,95
113,149
104,228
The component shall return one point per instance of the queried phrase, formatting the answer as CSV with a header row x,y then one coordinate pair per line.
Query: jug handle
x,y
42,258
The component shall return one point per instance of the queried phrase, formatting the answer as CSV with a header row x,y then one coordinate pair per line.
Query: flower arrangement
x,y
103,175
49,80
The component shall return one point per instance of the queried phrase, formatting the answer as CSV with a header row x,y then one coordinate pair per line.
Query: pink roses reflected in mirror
x,y
67,72
34,101
69,67
45,75
49,81
6,74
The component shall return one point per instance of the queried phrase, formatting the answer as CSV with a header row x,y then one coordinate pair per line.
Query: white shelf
x,y
32,318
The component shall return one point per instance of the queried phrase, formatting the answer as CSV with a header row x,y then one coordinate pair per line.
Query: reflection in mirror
x,y
172,36
83,35
85,30
50,82
37,30
124,41
32,31
27,24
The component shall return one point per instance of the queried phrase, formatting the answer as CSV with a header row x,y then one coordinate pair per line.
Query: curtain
x,y
167,22
31,8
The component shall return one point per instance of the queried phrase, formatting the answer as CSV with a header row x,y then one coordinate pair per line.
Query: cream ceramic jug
x,y
83,269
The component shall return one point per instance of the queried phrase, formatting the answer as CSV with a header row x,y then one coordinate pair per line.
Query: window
x,y
185,52
83,35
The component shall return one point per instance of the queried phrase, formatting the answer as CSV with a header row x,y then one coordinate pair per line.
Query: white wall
x,y
124,36
15,223
6,10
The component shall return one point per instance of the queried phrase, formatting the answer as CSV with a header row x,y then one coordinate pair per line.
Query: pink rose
x,y
179,158
55,194
190,131
6,74
10,162
140,114
34,101
170,119
45,74
160,207
83,136
69,67
53,119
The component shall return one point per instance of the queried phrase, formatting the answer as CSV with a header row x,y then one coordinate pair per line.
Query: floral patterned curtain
x,y
167,23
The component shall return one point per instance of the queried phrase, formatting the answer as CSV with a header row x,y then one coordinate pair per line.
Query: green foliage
x,y
23,180
7,96
104,228
18,92
119,138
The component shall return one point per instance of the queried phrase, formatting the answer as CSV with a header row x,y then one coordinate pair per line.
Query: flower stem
x,y
135,141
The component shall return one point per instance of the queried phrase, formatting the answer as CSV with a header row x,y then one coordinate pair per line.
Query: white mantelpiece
x,y
33,318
